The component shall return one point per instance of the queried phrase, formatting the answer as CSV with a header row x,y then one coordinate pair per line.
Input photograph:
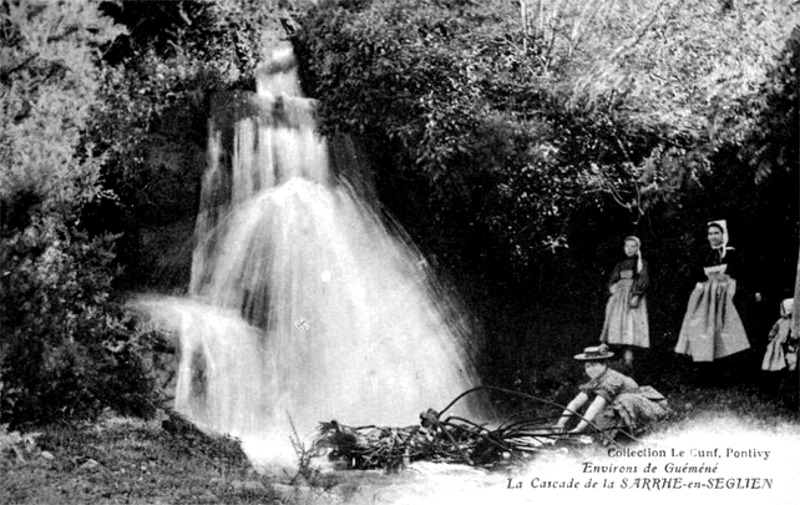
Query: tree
x,y
64,339
511,126
50,82
152,127
689,76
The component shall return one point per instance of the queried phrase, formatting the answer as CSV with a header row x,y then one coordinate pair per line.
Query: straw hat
x,y
596,353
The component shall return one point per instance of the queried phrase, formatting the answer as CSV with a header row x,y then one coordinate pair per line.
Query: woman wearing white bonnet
x,y
712,328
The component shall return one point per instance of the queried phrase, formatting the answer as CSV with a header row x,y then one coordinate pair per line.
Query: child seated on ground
x,y
618,404
781,351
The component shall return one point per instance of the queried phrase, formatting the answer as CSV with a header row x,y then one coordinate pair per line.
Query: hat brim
x,y
594,357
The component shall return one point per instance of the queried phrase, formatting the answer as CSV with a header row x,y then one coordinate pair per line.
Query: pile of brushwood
x,y
451,439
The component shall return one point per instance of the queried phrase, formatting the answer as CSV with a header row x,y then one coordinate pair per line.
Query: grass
x,y
732,387
125,460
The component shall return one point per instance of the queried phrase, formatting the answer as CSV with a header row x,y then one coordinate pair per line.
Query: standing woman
x,y
712,328
626,311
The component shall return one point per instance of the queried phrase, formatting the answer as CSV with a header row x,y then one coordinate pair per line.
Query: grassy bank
x,y
124,460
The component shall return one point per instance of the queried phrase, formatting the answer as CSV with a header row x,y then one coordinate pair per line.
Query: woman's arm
x,y
595,408
573,406
641,281
699,268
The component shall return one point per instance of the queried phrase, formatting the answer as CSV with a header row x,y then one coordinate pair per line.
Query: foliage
x,y
772,144
158,81
680,65
652,91
59,321
104,107
14,444
69,350
49,84
518,142
435,94
506,118
681,84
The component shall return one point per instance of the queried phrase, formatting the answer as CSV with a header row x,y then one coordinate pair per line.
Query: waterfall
x,y
303,307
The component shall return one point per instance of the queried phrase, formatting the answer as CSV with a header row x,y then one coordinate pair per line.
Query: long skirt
x,y
625,325
712,327
632,412
776,357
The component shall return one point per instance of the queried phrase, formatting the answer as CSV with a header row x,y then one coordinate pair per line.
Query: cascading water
x,y
302,305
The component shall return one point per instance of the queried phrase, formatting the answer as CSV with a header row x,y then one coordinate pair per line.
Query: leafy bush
x,y
505,119
16,446
67,349
437,91
151,126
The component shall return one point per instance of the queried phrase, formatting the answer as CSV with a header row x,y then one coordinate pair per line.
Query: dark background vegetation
x,y
520,153
517,143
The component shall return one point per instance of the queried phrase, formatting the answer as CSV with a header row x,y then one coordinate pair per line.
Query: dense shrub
x,y
60,326
152,126
104,107
68,349
493,124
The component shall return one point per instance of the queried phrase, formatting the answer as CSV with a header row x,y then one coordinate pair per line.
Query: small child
x,y
781,351
618,403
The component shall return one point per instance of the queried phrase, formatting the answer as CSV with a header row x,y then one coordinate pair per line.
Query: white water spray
x,y
302,306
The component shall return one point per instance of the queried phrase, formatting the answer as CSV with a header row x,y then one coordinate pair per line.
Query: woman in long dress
x,y
712,328
626,311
